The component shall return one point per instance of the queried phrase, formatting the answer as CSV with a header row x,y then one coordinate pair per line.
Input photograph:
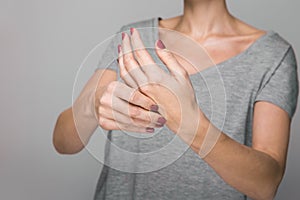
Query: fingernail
x,y
119,48
149,130
131,30
161,120
154,108
123,36
160,44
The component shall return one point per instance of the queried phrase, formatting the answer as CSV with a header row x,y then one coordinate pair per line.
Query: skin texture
x,y
255,171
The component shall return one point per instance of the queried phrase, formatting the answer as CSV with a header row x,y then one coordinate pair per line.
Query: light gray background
x,y
42,43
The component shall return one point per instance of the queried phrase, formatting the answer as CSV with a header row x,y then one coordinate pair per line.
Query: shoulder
x,y
282,49
273,49
278,40
150,22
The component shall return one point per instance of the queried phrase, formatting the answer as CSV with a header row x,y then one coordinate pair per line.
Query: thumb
x,y
169,60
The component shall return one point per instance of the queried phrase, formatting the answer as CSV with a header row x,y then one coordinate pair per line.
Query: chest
x,y
196,56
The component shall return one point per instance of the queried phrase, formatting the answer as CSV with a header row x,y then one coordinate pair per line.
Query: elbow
x,y
59,149
57,139
265,194
61,142
59,146
269,190
65,151
58,143
62,147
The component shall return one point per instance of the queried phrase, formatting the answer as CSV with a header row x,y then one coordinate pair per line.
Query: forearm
x,y
250,171
66,138
75,126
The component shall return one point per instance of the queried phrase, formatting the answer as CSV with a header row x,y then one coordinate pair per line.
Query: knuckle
x,y
112,86
158,78
142,100
134,111
136,97
102,101
146,89
100,110
122,74
141,53
168,56
105,99
103,111
138,52
103,123
128,59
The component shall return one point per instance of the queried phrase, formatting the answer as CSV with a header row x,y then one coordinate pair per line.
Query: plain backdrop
x,y
42,44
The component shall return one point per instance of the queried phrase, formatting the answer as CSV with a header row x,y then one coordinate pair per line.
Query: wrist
x,y
193,129
84,116
201,132
84,108
199,138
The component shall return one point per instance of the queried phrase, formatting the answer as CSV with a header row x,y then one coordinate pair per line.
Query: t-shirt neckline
x,y
155,23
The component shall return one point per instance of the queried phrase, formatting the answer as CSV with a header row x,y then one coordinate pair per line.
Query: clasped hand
x,y
172,92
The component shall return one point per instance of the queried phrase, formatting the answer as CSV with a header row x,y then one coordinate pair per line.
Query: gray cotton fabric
x,y
266,71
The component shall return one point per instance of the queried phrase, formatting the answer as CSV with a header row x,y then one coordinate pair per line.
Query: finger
x,y
170,61
131,95
109,113
130,64
123,72
143,57
113,98
139,50
109,124
136,112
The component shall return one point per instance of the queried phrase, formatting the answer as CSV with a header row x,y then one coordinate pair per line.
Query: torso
x,y
189,177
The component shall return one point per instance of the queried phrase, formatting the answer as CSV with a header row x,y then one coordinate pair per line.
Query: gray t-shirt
x,y
266,71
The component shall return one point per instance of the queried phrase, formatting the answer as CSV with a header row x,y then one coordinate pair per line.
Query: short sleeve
x,y
108,59
281,88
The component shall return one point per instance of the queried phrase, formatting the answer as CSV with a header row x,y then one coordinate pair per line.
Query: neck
x,y
202,18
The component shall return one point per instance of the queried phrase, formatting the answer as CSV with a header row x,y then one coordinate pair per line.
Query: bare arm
x,y
66,139
108,103
256,171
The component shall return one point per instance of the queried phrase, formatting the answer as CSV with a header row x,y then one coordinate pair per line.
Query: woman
x,y
248,156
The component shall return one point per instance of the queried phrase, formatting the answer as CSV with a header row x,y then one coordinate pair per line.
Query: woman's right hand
x,y
120,107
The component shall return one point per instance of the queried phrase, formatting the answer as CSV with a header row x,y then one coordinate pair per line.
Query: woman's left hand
x,y
172,91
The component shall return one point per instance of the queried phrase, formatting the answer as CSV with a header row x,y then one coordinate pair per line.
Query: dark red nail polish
x,y
154,108
161,120
160,44
149,130
131,30
119,48
123,36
